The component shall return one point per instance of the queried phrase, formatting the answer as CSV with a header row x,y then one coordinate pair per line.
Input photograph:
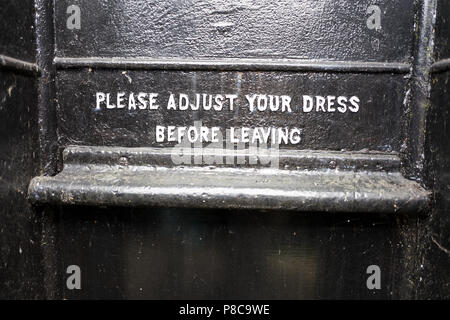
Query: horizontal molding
x,y
232,65
139,177
10,63
288,159
441,66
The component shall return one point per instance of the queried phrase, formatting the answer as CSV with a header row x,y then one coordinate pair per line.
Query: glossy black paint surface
x,y
442,48
435,239
324,29
17,38
20,255
436,232
201,254
175,253
21,271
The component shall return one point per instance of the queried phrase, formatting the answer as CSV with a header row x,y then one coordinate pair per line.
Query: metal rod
x,y
19,65
232,65
441,66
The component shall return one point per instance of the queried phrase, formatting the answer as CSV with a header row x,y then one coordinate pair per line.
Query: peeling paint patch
x,y
10,89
